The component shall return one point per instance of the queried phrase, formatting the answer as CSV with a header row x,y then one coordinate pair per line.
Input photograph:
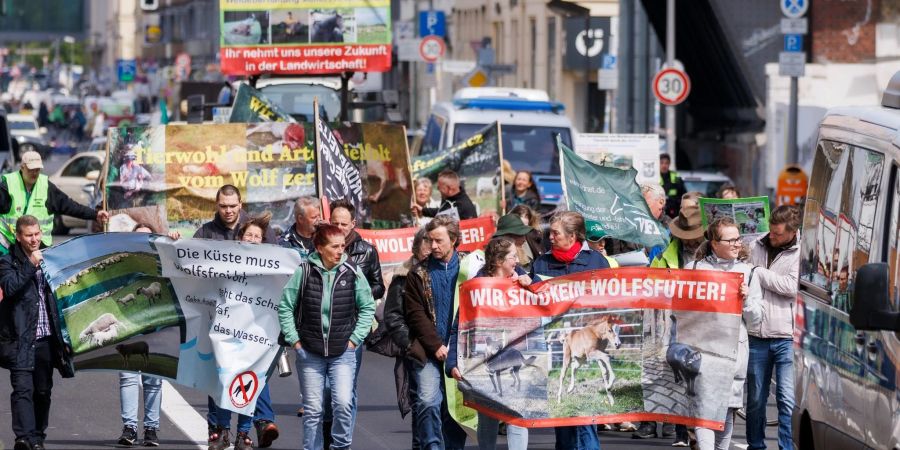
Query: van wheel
x,y
59,228
806,434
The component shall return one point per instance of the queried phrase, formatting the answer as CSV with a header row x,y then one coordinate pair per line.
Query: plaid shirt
x,y
43,322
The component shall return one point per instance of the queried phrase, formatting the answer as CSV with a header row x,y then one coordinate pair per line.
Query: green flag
x,y
609,199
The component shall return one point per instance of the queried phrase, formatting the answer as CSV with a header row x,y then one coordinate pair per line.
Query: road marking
x,y
183,415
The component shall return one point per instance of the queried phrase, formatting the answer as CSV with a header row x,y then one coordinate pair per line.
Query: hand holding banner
x,y
633,364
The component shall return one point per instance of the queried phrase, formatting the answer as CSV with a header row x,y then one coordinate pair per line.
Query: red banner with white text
x,y
605,346
395,246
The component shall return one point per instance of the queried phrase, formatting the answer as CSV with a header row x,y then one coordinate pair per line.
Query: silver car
x,y
847,324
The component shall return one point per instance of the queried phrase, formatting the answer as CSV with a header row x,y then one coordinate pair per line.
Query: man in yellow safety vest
x,y
28,191
672,184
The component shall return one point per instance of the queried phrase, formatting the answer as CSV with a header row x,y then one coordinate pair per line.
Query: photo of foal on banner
x,y
605,346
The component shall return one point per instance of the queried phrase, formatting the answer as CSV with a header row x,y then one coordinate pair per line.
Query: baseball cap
x,y
32,160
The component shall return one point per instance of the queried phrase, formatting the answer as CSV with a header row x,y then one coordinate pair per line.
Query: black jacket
x,y
217,230
19,315
460,201
366,257
394,317
292,239
343,311
58,203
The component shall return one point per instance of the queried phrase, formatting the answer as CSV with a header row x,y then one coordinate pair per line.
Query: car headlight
x,y
21,139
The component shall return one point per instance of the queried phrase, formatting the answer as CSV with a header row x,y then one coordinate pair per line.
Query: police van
x,y
847,316
528,119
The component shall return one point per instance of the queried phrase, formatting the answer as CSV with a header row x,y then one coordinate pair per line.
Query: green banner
x,y
609,199
250,105
477,160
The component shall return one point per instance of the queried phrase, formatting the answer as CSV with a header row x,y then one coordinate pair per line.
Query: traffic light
x,y
149,5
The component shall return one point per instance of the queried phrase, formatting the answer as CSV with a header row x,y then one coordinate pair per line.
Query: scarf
x,y
567,256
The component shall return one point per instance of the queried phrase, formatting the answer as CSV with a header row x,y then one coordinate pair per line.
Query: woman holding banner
x,y
501,260
253,231
326,311
569,254
724,251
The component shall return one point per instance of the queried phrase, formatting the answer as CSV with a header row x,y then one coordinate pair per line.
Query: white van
x,y
847,316
528,122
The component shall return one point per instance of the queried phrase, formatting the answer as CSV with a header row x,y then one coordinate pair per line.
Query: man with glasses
x,y
777,257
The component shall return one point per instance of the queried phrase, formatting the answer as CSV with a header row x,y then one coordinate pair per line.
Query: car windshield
x,y
526,147
708,188
28,126
297,100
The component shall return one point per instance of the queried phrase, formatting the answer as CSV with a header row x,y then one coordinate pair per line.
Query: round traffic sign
x,y
671,86
432,48
794,9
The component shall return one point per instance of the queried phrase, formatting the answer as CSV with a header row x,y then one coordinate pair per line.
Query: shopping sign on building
x,y
586,47
290,37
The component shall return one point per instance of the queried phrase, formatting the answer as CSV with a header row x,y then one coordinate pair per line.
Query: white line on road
x,y
183,415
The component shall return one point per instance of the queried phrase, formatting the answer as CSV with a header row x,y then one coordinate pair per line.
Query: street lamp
x,y
571,9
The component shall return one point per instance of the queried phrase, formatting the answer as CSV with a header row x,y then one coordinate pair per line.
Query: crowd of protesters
x,y
327,311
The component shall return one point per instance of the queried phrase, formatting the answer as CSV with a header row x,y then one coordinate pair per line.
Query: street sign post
x,y
126,69
432,23
794,9
793,42
794,26
792,64
671,86
432,48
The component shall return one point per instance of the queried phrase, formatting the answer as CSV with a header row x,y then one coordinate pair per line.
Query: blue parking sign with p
x,y
432,23
793,42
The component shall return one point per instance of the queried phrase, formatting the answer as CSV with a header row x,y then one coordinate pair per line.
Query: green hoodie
x,y
365,304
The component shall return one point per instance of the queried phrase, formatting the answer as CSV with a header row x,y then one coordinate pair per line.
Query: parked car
x,y
708,183
24,129
847,324
76,173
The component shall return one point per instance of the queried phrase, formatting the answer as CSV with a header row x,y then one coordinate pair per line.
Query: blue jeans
x,y
313,370
516,437
129,393
766,355
222,417
582,437
327,417
437,430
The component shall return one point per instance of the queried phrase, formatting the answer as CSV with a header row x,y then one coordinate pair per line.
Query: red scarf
x,y
566,256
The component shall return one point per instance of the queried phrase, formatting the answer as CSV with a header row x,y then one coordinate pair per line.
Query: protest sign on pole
x,y
201,313
622,151
338,177
291,37
522,350
751,214
609,199
477,160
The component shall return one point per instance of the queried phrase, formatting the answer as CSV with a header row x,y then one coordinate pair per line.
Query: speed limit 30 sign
x,y
671,86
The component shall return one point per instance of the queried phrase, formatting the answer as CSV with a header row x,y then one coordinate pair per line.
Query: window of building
x,y
840,218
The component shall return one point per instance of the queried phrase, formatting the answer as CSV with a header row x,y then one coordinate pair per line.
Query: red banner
x,y
630,287
306,59
605,346
395,246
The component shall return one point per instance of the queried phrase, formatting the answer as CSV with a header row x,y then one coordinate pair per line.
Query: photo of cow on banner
x,y
576,349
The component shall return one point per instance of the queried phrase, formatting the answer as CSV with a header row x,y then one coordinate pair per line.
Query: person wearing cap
x,y
511,227
28,191
687,235
596,241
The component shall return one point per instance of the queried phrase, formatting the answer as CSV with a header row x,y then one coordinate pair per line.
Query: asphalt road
x,y
85,411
